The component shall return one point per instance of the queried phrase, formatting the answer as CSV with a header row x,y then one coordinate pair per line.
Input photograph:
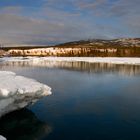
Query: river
x,y
89,101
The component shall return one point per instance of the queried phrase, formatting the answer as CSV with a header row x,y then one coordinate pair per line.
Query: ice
x,y
17,91
112,60
2,138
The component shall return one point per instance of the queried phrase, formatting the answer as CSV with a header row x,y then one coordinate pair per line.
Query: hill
x,y
122,42
124,47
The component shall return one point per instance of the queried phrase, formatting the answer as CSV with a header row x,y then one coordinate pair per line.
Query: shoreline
x,y
111,60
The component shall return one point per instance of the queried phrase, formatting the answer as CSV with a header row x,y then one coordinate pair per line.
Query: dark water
x,y
89,102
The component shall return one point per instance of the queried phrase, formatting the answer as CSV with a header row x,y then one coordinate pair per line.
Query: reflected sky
x,y
122,69
90,101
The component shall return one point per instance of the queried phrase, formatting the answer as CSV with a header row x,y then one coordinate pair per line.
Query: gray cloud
x,y
56,28
128,12
55,23
11,10
18,29
126,8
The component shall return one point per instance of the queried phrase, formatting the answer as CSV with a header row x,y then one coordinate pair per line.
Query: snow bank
x,y
17,91
112,60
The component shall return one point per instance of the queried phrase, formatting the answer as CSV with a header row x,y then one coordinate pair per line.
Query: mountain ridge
x,y
128,47
126,42
120,42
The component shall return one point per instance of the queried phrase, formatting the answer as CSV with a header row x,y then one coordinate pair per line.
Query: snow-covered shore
x,y
16,92
112,60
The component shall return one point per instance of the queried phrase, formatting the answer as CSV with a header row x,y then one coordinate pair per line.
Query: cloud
x,y
91,5
128,12
123,14
20,29
125,8
48,26
11,10
57,21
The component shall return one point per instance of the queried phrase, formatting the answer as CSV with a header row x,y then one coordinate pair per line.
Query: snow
x,y
112,60
17,91
2,138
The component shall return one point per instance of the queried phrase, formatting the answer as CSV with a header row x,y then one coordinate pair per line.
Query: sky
x,y
47,22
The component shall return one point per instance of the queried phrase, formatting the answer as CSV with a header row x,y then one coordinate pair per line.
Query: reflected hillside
x,y
122,69
23,125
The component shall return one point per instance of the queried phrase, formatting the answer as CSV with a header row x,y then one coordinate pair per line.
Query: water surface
x,y
90,101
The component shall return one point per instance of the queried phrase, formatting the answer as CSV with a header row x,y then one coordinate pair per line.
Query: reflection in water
x,y
90,101
23,125
123,69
